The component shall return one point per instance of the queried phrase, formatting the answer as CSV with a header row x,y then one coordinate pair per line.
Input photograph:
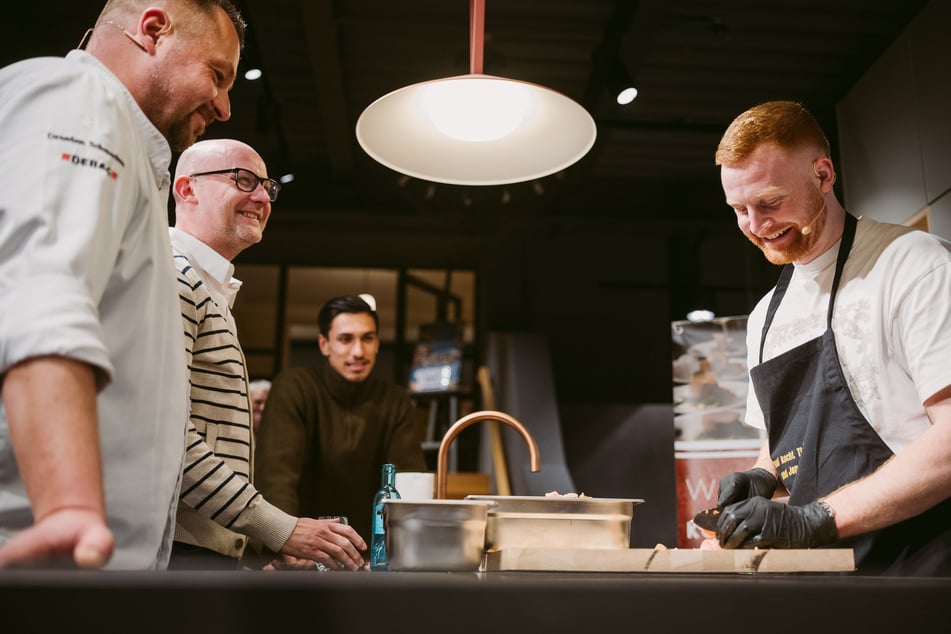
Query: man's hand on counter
x,y
762,523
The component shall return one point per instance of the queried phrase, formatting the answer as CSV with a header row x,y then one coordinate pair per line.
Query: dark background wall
x,y
602,282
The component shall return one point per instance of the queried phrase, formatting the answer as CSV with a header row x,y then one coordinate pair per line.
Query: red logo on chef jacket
x,y
82,161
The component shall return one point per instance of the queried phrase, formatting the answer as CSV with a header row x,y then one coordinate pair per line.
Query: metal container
x,y
435,535
557,522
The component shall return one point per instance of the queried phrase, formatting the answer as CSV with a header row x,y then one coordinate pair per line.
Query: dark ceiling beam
x,y
638,39
630,31
673,126
628,37
322,46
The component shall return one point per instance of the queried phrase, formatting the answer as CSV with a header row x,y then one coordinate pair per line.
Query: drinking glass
x,y
342,519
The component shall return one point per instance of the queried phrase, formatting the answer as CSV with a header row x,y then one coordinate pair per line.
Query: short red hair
x,y
786,123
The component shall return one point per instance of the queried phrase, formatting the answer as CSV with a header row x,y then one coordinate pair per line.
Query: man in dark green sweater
x,y
327,430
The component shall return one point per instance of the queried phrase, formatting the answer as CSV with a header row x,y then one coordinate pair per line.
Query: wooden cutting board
x,y
670,561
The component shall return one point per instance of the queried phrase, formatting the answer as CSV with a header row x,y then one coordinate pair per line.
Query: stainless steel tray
x,y
558,522
435,535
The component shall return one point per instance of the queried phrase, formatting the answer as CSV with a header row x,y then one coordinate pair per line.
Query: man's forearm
x,y
907,485
51,412
764,461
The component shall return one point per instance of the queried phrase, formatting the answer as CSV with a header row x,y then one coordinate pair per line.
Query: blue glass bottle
x,y
378,538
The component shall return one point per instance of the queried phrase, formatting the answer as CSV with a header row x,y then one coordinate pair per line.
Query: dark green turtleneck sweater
x,y
323,440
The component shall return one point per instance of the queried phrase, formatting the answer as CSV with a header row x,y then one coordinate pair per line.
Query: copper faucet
x,y
465,421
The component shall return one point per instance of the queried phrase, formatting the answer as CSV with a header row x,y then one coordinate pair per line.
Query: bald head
x,y
228,208
212,154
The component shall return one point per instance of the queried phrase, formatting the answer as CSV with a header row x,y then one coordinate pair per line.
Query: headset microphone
x,y
807,228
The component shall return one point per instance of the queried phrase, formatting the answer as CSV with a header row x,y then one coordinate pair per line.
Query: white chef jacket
x,y
86,273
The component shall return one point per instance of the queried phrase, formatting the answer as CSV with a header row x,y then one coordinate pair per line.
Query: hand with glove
x,y
743,485
762,523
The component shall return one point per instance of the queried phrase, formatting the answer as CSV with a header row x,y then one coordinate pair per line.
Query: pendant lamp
x,y
475,129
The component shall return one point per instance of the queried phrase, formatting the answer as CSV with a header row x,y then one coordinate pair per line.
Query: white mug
x,y
415,485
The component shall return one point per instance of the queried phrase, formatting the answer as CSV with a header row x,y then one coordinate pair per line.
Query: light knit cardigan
x,y
219,508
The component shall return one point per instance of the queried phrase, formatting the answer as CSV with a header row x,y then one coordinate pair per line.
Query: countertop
x,y
177,602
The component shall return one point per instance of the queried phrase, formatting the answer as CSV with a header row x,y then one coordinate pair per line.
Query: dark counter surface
x,y
524,603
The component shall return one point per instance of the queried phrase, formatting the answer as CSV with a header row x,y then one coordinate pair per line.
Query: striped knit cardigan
x,y
219,508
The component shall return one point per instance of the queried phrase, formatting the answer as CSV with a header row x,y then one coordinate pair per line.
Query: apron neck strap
x,y
845,246
848,236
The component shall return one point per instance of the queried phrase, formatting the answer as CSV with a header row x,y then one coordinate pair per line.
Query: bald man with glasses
x,y
223,201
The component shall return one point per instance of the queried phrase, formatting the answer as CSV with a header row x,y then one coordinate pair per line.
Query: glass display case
x,y
710,385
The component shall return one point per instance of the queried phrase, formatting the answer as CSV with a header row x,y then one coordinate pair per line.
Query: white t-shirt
x,y
86,272
892,325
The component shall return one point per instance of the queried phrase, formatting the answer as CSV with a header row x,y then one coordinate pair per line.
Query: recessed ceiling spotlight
x,y
253,73
627,95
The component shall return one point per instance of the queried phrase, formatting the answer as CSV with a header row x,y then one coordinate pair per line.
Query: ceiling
x,y
696,63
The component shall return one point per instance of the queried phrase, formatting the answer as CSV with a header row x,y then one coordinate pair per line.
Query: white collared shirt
x,y
216,271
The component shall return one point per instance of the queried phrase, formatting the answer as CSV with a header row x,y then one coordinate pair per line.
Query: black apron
x,y
819,441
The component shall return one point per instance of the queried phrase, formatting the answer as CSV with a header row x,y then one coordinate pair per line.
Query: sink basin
x,y
557,522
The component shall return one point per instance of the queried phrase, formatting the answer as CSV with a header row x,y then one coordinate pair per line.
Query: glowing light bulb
x,y
476,109
700,315
626,96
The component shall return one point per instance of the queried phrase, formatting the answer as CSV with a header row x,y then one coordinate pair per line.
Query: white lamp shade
x,y
553,133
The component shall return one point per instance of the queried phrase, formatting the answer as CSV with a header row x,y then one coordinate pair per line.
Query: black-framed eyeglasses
x,y
247,181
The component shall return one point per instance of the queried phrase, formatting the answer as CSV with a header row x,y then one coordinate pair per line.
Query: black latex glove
x,y
759,522
743,485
